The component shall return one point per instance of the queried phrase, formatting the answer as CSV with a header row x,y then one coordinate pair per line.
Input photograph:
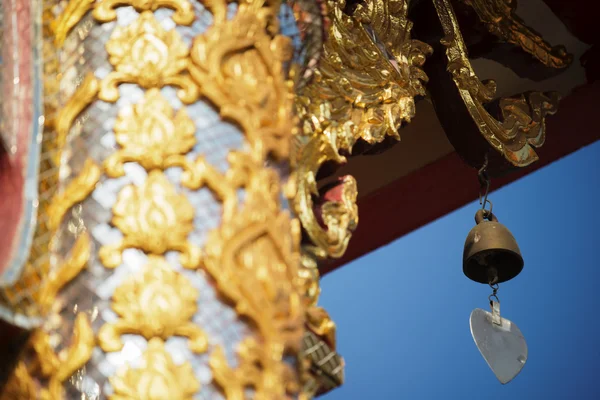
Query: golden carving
x,y
523,125
159,303
500,19
145,54
20,385
74,11
363,89
76,191
254,260
238,66
74,357
319,322
66,271
183,15
83,97
157,378
149,133
153,218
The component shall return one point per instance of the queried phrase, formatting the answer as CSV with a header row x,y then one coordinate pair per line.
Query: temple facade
x,y
175,175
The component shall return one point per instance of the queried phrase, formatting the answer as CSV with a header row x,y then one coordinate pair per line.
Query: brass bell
x,y
491,251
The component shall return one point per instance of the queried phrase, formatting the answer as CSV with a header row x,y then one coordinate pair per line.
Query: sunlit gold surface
x,y
183,11
157,303
83,97
153,218
253,259
523,125
238,66
364,89
149,133
72,14
157,378
500,18
76,191
66,271
146,54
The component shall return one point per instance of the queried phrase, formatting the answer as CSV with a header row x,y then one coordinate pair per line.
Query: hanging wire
x,y
484,187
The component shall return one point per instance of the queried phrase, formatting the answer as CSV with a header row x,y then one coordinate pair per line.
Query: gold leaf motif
x,y
66,272
183,15
501,19
254,260
364,88
62,25
76,191
149,133
20,385
159,303
153,218
84,96
157,379
75,357
238,66
523,125
145,54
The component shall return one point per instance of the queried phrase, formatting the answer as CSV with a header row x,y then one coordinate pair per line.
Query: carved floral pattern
x,y
149,133
145,54
153,218
159,302
159,378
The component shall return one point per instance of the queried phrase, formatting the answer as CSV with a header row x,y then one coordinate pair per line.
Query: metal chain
x,y
484,187
494,294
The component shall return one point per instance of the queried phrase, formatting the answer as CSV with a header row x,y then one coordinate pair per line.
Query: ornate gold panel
x,y
157,378
153,218
146,54
523,124
149,133
363,89
159,302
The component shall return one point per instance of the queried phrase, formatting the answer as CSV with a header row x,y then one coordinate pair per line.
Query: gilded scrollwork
x,y
500,19
66,271
72,14
153,218
157,378
364,89
523,125
238,66
76,191
253,258
149,133
158,303
84,95
183,10
146,54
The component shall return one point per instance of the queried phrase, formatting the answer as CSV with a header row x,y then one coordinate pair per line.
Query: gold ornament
x,y
159,303
66,271
523,126
72,14
364,89
76,191
153,218
157,379
20,385
145,54
238,66
183,11
149,133
254,260
501,19
84,96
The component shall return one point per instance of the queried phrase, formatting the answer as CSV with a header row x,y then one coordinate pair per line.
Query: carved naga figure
x,y
156,154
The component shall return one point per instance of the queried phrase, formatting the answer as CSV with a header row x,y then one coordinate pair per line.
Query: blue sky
x,y
403,311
